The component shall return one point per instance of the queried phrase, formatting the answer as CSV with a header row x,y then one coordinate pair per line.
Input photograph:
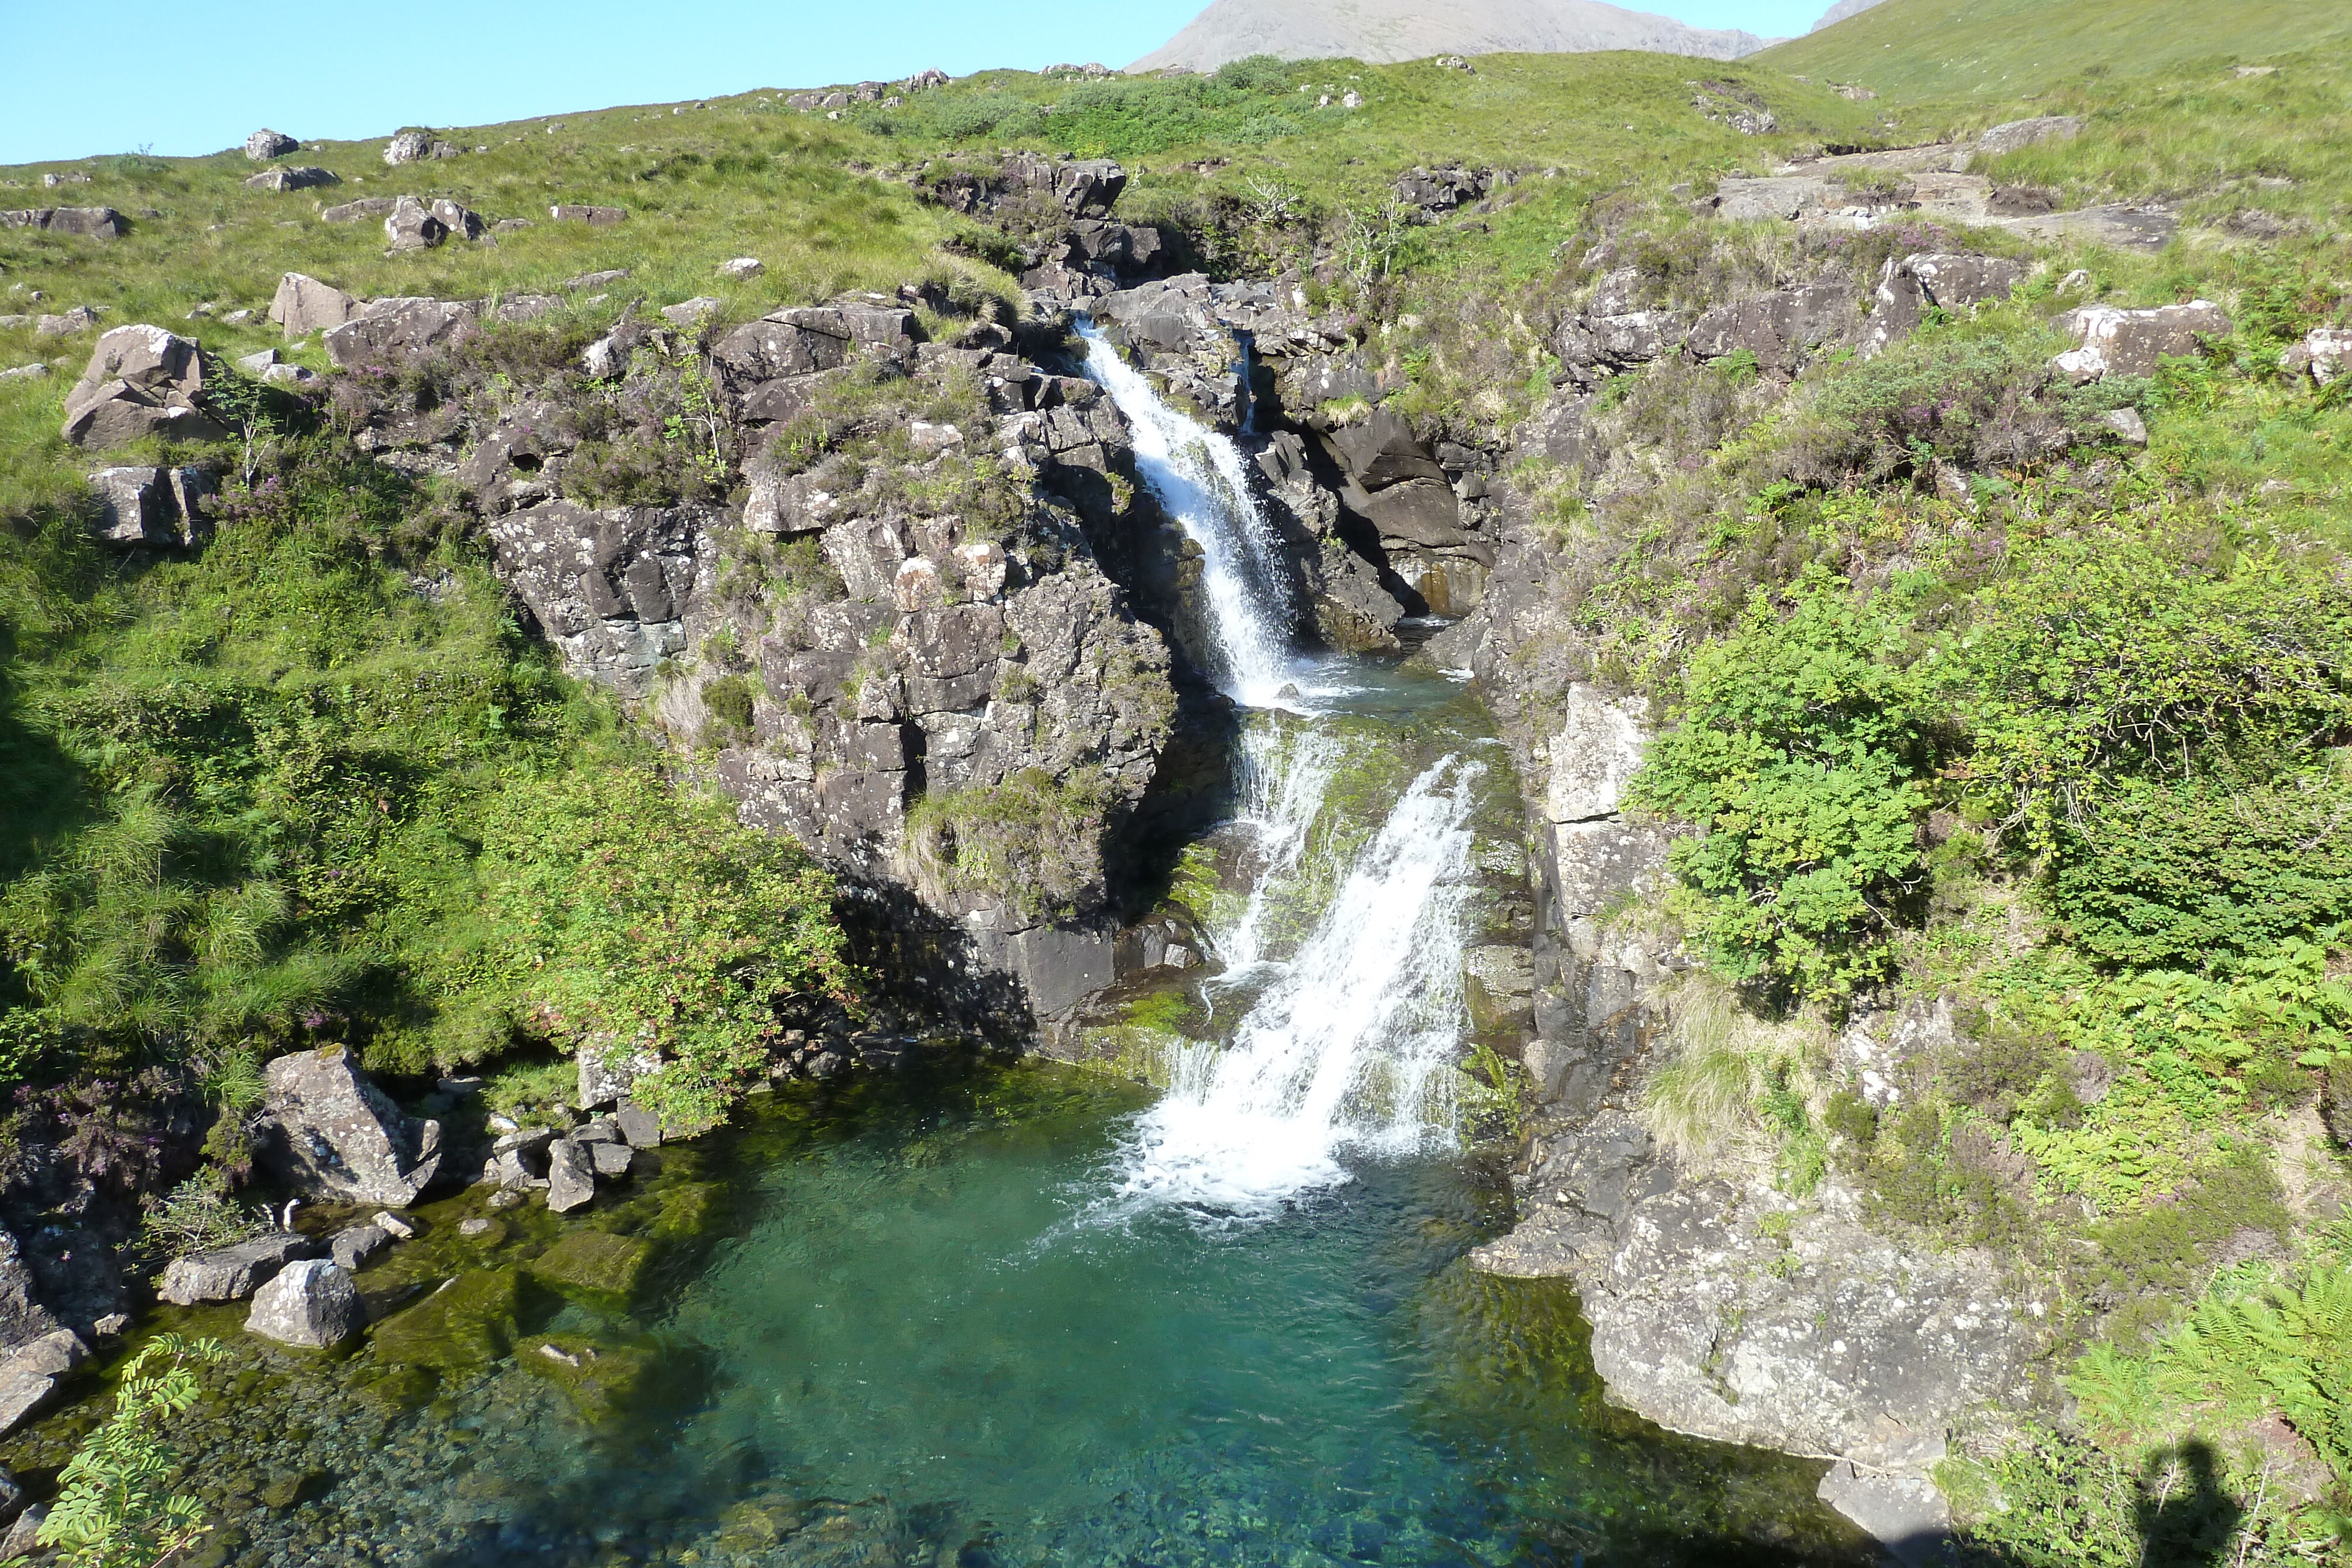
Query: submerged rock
x,y
467,1323
596,1261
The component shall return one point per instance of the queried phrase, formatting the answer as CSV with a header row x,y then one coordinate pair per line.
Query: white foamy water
x,y
1346,1050
1283,773
1196,475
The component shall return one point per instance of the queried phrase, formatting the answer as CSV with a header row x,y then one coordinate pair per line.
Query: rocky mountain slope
x,y
1385,31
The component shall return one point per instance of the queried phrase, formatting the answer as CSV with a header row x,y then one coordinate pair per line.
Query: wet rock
x,y
393,1226
1498,986
595,1262
355,1244
311,1304
264,144
2111,342
31,1373
12,1498
232,1273
570,1175
329,1133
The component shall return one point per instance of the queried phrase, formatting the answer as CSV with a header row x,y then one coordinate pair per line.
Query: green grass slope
x,y
1913,50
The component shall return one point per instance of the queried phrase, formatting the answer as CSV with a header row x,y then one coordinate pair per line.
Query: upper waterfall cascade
x,y
1196,475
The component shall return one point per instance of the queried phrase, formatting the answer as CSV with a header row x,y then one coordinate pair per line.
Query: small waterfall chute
x,y
1196,475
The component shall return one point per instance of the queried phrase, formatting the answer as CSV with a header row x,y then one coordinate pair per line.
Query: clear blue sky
x,y
188,79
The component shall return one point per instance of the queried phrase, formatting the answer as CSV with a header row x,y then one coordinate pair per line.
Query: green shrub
x,y
615,907
2110,654
1800,756
2204,873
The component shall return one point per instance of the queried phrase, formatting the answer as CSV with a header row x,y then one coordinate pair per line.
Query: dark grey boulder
x,y
355,1244
640,1126
570,1175
232,1273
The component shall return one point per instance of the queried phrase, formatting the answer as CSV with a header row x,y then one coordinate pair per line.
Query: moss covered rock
x,y
603,1380
467,1323
595,1263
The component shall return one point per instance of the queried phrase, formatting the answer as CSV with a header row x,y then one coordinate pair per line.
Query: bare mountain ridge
x,y
1841,11
1383,32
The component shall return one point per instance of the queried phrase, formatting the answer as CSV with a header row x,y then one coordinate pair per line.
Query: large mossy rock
x,y
594,1263
468,1322
604,1381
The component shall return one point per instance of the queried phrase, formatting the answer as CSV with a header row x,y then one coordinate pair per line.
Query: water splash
x,y
1283,773
1347,1050
1196,475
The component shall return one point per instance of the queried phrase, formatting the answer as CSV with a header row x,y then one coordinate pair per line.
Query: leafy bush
x,y
2206,874
2109,653
112,1510
1799,755
616,908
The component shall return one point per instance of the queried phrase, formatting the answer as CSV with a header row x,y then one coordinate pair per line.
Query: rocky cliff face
x,y
864,585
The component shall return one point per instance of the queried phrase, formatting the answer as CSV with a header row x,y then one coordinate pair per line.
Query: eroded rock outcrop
x,y
1810,1333
141,381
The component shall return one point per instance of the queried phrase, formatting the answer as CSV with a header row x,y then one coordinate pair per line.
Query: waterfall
x,y
1196,475
1347,1050
1346,1044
